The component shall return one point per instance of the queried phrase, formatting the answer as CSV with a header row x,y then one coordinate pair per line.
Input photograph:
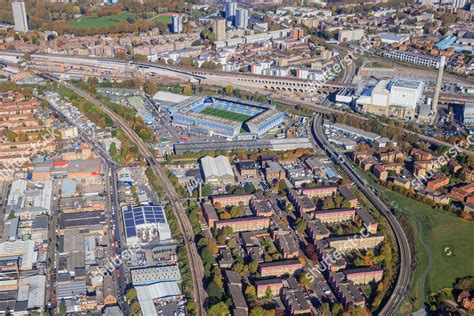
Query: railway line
x,y
404,251
197,269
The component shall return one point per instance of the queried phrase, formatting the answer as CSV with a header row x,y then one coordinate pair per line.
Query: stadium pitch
x,y
226,114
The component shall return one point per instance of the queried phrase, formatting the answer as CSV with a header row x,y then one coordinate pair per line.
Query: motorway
x,y
405,264
196,267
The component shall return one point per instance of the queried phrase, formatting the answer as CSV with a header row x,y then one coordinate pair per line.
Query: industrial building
x,y
217,170
145,223
412,58
155,274
468,115
397,97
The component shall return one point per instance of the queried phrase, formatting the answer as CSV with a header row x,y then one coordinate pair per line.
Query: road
x,y
196,267
404,269
325,110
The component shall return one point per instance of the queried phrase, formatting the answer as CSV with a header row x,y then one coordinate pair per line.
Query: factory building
x,y
397,97
216,170
145,223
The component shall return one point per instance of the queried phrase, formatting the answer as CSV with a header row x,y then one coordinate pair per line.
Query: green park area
x,y
443,241
226,114
165,19
104,21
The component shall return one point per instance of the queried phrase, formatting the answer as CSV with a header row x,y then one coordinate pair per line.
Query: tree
x,y
259,311
250,188
219,309
113,149
150,88
282,186
187,90
11,215
10,135
306,279
215,292
236,211
253,266
135,308
131,294
337,309
465,284
139,57
238,267
229,90
324,308
328,203
268,294
217,277
250,293
225,215
301,225
206,190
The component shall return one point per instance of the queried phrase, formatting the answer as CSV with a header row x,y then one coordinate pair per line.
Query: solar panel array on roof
x,y
138,215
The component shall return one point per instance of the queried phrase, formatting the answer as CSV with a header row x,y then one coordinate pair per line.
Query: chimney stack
x,y
439,81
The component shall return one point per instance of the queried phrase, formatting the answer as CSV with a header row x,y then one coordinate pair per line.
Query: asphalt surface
x,y
404,270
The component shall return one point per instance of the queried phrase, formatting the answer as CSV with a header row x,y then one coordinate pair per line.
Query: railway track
x,y
197,270
404,269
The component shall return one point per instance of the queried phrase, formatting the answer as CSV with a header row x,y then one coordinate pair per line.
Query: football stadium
x,y
226,117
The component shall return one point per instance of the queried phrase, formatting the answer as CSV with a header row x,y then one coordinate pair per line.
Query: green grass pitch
x,y
226,114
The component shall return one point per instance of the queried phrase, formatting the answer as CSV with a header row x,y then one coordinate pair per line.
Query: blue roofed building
x,y
446,43
68,188
145,224
265,121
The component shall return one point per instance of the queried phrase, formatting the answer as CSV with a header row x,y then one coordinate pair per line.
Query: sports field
x,y
449,241
226,114
104,21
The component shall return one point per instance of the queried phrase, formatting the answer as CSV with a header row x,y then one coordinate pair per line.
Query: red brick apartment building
x,y
317,230
336,215
231,199
381,171
301,202
437,182
391,156
463,193
274,284
243,224
278,268
210,214
364,275
319,192
261,207
419,154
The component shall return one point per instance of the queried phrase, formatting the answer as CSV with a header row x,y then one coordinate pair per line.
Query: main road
x,y
196,266
404,269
